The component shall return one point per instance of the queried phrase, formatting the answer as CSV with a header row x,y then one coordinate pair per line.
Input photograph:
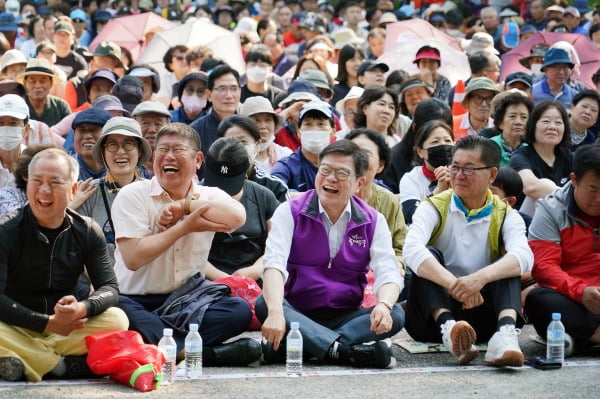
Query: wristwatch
x,y
387,304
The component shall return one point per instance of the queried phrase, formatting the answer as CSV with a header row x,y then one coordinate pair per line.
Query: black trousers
x,y
578,321
425,296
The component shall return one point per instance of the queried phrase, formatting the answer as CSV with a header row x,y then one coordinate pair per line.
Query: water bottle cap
x,y
555,316
168,332
295,325
193,327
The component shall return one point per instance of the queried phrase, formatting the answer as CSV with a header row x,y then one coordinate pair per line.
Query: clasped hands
x,y
69,314
467,289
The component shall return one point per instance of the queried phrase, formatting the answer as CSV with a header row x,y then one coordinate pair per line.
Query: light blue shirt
x,y
541,92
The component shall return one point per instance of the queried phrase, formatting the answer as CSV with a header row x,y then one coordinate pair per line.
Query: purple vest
x,y
315,281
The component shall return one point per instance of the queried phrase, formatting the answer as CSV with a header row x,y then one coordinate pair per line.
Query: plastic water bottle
x,y
169,348
193,353
555,340
294,344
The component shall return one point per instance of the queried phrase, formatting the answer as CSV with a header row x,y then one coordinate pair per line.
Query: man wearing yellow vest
x,y
467,249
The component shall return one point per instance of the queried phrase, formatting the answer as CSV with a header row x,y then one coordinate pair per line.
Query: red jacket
x,y
566,249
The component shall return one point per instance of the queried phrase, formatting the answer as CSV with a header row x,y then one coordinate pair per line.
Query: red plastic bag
x,y
125,357
248,290
369,297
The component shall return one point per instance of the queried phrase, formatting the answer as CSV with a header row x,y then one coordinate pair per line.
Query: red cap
x,y
428,54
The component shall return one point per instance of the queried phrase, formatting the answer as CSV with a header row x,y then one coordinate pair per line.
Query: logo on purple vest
x,y
356,239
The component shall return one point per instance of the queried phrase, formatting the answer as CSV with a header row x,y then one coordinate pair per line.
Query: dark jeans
x,y
223,319
425,296
578,321
320,332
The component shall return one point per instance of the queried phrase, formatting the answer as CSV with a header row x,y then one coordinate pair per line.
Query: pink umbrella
x,y
589,55
132,32
455,65
416,29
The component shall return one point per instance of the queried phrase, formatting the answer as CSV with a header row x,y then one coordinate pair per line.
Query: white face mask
x,y
536,69
192,103
256,74
251,150
10,137
264,146
314,141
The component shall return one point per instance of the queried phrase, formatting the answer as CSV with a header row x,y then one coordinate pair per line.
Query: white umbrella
x,y
455,64
225,44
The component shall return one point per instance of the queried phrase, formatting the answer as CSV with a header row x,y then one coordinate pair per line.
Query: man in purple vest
x,y
319,250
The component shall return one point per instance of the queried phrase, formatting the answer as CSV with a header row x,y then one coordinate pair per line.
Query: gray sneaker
x,y
11,368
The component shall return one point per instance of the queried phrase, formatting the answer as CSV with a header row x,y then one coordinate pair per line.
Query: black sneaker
x,y
377,355
11,368
238,353
77,367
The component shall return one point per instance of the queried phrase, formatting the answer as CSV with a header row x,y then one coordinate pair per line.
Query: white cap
x,y
151,107
13,105
354,93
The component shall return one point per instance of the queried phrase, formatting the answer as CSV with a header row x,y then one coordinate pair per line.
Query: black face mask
x,y
440,155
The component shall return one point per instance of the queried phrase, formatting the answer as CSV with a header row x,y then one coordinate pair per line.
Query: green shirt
x,y
54,110
504,155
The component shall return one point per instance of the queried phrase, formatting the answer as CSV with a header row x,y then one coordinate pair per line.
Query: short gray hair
x,y
57,153
489,10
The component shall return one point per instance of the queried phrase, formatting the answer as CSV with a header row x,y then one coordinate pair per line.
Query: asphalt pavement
x,y
431,375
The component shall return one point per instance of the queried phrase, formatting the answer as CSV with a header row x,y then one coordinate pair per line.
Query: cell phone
x,y
542,363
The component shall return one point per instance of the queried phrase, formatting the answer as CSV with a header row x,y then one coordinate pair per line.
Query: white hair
x,y
489,10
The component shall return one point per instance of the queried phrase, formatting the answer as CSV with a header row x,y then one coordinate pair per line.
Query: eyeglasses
x,y
113,146
341,174
467,171
222,90
477,99
178,149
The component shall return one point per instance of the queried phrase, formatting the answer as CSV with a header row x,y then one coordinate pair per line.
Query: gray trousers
x,y
319,332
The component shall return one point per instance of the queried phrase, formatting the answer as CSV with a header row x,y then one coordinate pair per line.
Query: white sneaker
x,y
458,337
503,348
569,345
